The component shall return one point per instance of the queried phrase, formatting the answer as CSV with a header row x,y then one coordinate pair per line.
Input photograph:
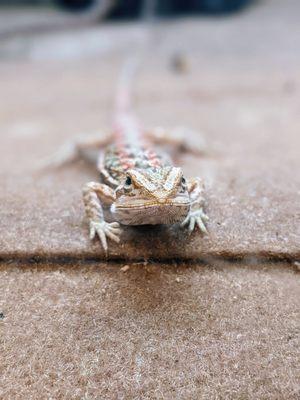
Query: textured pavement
x,y
250,122
153,330
240,91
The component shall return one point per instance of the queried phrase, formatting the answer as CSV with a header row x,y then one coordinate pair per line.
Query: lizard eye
x,y
128,181
183,184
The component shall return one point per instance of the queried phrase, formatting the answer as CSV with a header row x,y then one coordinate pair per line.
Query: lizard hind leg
x,y
94,195
84,146
180,139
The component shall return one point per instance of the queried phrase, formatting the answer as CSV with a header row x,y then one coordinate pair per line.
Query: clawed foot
x,y
196,218
103,230
191,141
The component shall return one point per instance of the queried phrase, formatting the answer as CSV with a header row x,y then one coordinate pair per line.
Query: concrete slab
x,y
252,173
155,331
242,91
151,330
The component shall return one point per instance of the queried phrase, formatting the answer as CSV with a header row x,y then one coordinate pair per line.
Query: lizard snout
x,y
161,197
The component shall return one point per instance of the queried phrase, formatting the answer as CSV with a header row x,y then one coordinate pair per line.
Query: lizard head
x,y
152,196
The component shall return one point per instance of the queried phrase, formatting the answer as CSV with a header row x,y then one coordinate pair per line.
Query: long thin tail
x,y
126,125
125,84
133,62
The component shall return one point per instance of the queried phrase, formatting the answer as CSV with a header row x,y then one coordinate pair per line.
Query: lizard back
x,y
117,160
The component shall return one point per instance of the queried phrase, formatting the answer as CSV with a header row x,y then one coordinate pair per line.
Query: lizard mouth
x,y
151,213
150,205
141,203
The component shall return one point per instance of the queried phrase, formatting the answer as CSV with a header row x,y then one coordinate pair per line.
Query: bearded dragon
x,y
141,186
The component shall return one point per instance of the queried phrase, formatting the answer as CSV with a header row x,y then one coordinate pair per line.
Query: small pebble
x,y
179,63
178,280
297,265
125,268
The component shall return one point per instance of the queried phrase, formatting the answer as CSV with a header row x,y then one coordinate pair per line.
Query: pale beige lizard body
x,y
139,185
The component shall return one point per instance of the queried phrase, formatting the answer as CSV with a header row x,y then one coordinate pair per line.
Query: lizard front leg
x,y
181,138
196,216
93,195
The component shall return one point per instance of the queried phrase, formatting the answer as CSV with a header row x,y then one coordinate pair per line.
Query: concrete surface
x,y
241,89
157,331
252,173
153,332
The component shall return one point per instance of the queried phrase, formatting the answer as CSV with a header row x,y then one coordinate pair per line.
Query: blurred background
x,y
206,59
129,8
212,65
29,15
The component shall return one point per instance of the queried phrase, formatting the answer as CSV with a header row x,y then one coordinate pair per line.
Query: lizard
x,y
139,185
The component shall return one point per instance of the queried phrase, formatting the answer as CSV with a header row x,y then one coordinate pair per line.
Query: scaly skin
x,y
140,186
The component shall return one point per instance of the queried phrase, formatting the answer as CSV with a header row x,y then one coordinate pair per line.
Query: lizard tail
x,y
126,126
124,91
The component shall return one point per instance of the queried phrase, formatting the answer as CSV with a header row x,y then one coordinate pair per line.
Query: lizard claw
x,y
105,230
196,218
197,146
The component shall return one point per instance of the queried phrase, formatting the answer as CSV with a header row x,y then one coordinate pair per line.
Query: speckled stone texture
x,y
149,330
242,91
153,332
251,124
